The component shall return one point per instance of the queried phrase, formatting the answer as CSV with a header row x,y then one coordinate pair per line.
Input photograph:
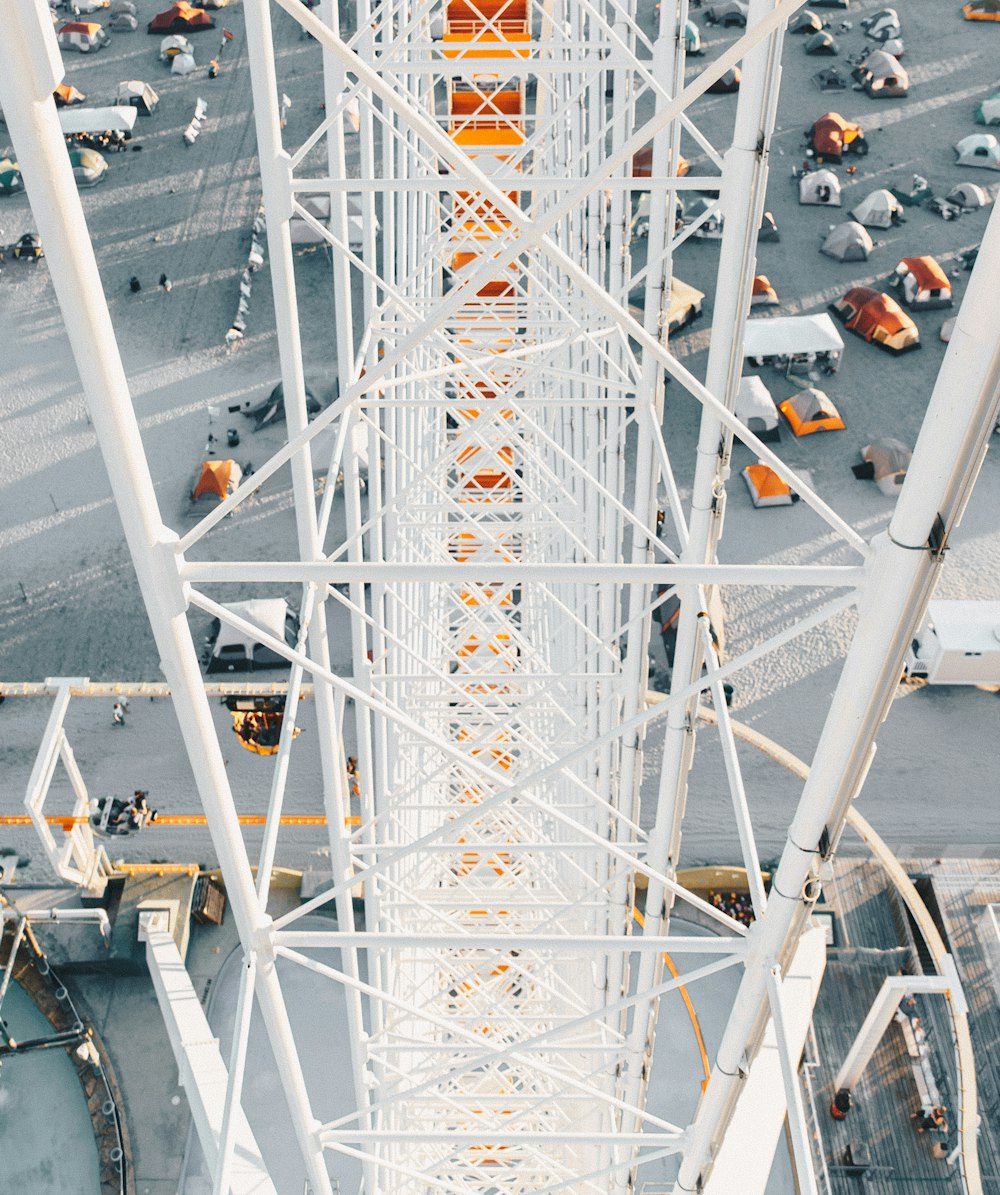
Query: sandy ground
x,y
69,604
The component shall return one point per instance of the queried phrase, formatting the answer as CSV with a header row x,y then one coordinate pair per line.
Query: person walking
x,y
118,714
134,285
165,284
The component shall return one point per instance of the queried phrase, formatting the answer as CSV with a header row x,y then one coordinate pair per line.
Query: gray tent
x,y
968,195
822,43
882,25
805,22
755,406
883,77
885,462
849,241
820,186
979,149
880,209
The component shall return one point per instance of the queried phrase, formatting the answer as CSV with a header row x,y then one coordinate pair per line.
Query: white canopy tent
x,y
787,335
231,649
119,119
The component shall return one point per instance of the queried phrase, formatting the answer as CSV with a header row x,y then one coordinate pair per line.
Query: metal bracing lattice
x,y
499,431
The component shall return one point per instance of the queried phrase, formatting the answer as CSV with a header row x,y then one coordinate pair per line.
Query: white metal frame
x,y
502,1031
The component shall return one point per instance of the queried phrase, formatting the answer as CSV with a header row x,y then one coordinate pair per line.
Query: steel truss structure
x,y
499,432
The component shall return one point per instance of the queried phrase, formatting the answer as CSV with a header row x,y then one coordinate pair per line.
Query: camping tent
x,y
878,318
766,487
849,241
988,111
968,195
755,407
922,283
792,335
139,94
882,25
811,411
10,177
89,168
832,136
692,38
763,294
882,76
880,209
822,43
685,304
215,480
982,10
174,44
805,22
979,149
729,12
82,35
642,164
707,211
98,120
728,81
182,64
768,229
885,462
180,16
64,95
820,186
318,206
233,650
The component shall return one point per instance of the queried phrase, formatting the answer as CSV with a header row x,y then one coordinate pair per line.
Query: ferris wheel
x,y
513,522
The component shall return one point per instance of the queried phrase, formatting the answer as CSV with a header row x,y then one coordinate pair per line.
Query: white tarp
x,y
266,613
785,335
97,120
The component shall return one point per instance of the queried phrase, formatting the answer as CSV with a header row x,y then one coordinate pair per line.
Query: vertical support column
x,y
277,182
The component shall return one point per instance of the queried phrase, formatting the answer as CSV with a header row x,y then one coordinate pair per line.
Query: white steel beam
x,y
223,1130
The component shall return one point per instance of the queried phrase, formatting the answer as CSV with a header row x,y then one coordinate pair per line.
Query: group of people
x,y
164,284
737,904
125,817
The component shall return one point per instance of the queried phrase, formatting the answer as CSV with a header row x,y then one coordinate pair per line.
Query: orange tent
x,y
982,10
65,94
832,135
878,318
216,479
180,16
642,164
811,411
763,294
923,283
766,487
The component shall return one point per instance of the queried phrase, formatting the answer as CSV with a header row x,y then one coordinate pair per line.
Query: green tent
x,y
10,177
88,166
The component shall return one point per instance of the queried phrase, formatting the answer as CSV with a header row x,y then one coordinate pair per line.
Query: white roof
x,y
966,625
785,334
266,613
96,120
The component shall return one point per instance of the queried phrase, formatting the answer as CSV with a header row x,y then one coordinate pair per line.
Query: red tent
x,y
180,18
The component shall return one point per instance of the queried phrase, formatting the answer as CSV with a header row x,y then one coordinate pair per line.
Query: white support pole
x,y
789,1055
746,1151
904,569
202,1070
883,1009
30,68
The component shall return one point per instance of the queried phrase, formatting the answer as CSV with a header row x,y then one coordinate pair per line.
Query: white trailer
x,y
958,644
